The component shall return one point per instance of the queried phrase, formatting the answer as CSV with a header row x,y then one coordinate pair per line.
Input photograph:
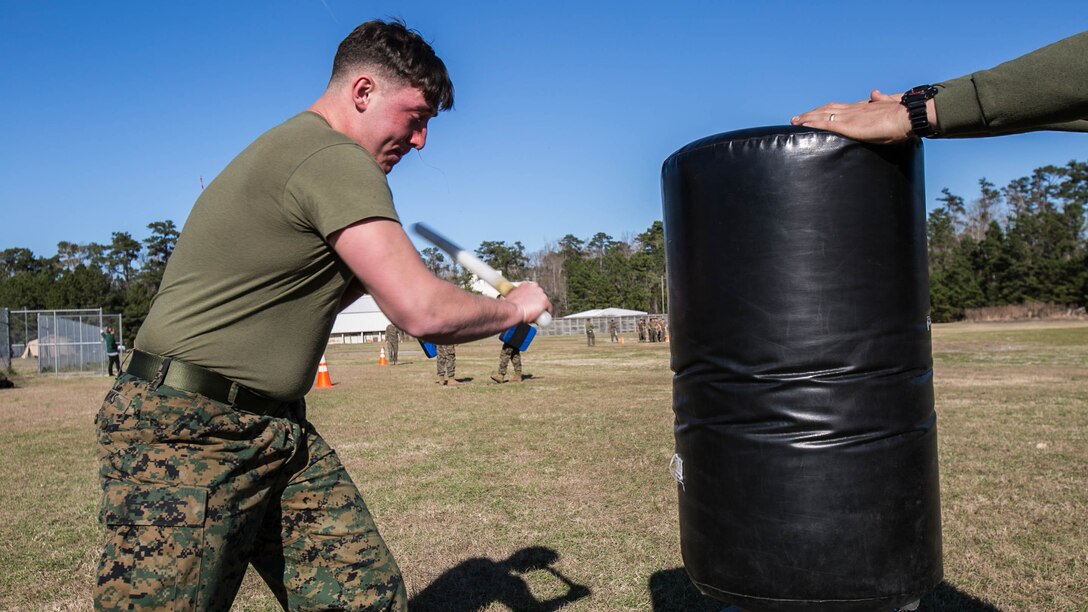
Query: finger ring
x,y
831,117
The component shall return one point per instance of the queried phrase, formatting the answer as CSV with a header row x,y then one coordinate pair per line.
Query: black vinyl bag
x,y
806,438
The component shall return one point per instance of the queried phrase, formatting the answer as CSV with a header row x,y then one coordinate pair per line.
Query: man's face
x,y
394,122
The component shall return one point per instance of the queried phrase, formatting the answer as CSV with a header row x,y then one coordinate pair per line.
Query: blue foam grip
x,y
519,336
430,350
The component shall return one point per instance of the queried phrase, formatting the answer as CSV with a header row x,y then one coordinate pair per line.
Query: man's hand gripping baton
x,y
475,265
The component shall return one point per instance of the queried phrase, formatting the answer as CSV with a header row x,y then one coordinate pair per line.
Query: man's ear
x,y
361,89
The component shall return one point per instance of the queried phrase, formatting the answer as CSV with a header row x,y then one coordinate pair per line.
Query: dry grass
x,y
573,464
1028,311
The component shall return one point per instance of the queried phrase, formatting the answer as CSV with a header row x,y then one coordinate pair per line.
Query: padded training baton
x,y
475,265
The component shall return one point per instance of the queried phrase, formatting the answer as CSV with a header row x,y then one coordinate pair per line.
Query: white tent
x,y
362,321
597,313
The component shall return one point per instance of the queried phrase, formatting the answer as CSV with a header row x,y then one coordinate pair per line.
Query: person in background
x,y
392,343
508,354
109,341
446,364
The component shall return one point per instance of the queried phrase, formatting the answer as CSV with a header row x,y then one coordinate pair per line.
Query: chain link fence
x,y
62,341
627,325
5,342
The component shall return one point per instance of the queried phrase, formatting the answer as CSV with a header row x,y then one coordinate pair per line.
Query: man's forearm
x,y
451,315
384,260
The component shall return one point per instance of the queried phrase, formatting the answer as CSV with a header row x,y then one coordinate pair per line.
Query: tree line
x,y
1024,242
119,277
124,275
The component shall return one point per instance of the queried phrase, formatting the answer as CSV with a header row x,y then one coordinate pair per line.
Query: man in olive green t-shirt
x,y
1043,90
208,463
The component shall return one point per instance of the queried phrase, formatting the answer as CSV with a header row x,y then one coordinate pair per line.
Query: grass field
x,y
567,473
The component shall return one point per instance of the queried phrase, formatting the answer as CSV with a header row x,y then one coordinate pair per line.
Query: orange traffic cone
x,y
381,357
323,380
621,339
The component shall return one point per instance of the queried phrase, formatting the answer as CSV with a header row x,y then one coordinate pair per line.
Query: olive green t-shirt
x,y
252,287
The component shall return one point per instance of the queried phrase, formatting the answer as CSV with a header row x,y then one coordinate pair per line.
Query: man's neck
x,y
328,110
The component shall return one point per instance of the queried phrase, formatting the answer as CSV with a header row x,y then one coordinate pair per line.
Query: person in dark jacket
x,y
110,343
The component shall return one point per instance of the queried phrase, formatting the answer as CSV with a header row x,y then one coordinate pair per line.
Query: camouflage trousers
x,y
392,348
195,490
446,361
508,354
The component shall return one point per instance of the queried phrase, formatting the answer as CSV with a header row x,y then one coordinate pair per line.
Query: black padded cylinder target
x,y
806,436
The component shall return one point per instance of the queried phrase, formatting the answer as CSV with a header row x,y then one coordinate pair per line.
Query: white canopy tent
x,y
362,321
598,313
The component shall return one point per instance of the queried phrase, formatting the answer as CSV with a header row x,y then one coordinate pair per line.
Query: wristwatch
x,y
915,101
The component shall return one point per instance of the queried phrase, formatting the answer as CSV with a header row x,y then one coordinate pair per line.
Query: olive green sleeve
x,y
1046,89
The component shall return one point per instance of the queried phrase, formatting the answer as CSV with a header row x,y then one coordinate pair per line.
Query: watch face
x,y
926,91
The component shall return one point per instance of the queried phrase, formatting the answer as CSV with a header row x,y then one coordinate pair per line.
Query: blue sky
x,y
111,112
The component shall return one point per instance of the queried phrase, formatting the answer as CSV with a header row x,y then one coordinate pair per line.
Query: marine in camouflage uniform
x,y
207,461
508,354
446,364
392,343
641,326
590,337
613,330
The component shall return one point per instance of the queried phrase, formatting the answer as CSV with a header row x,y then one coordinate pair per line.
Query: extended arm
x,y
1046,89
385,262
1043,90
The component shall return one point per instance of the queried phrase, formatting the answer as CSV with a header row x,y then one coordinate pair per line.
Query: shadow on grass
x,y
672,591
477,583
947,598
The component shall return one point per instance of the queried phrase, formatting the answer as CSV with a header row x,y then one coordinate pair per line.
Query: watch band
x,y
915,101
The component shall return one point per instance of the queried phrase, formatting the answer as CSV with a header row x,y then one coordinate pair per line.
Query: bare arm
x,y
880,119
385,262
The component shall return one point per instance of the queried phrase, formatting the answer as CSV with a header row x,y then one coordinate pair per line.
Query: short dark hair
x,y
402,53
